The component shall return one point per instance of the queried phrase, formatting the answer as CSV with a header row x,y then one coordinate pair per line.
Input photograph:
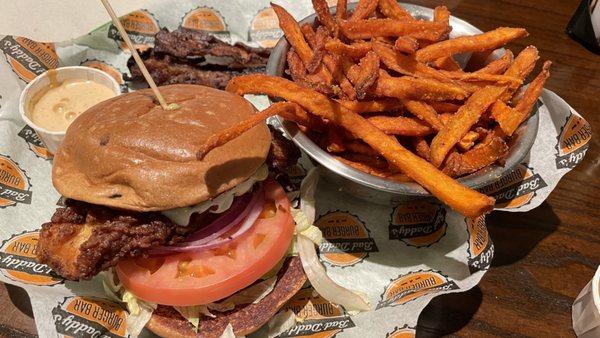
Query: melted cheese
x,y
222,202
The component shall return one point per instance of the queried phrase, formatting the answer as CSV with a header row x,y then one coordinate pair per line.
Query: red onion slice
x,y
254,209
238,210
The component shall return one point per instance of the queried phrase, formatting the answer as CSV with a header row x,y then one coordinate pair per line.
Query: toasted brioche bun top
x,y
129,153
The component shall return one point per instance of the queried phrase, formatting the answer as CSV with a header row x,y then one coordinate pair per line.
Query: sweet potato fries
x,y
381,91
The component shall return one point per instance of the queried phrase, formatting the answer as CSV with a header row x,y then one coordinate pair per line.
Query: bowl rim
x,y
520,148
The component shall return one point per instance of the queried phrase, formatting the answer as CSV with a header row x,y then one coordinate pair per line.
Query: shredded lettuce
x,y
305,227
141,314
228,332
111,288
274,270
139,311
281,322
252,294
307,194
192,314
307,235
305,215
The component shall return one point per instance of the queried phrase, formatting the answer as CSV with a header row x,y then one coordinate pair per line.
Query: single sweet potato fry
x,y
497,66
355,50
425,113
417,89
288,110
366,29
392,10
309,34
446,63
363,10
442,14
476,158
484,77
406,44
444,107
475,43
318,50
400,125
360,147
322,9
462,199
375,168
468,141
421,147
369,71
373,106
295,66
340,10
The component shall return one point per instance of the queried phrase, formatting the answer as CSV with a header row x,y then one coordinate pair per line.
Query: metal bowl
x,y
380,190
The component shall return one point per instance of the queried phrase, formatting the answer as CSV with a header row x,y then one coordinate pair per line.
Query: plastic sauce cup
x,y
52,139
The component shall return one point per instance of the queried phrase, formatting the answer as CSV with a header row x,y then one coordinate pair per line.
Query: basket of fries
x,y
408,84
380,100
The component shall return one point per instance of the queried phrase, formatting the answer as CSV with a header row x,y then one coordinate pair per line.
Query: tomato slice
x,y
195,278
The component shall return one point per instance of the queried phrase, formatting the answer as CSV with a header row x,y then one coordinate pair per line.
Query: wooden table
x,y
543,257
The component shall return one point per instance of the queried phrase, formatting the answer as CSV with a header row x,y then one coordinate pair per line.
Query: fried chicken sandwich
x,y
179,233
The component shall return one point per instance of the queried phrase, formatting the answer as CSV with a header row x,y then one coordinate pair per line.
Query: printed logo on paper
x,y
346,239
34,143
28,58
14,183
105,67
141,28
515,189
402,332
18,261
419,224
414,285
89,317
481,247
206,19
319,318
264,28
573,142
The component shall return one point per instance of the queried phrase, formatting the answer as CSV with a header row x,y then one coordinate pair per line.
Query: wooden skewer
x,y
135,54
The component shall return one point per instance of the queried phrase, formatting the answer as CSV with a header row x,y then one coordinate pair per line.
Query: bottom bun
x,y
245,319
